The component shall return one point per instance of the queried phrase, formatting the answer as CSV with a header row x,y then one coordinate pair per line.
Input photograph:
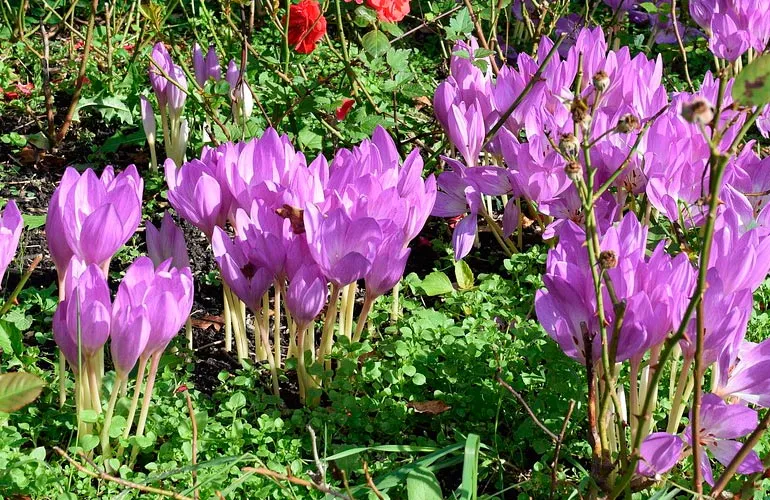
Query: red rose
x,y
344,109
391,11
307,25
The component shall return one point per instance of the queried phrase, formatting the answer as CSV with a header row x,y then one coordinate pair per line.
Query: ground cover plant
x,y
384,249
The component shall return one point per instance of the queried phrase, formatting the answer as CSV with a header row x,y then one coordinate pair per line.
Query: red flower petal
x,y
343,110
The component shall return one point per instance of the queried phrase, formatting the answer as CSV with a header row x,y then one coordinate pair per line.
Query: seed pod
x,y
601,81
608,259
574,171
569,145
698,111
628,123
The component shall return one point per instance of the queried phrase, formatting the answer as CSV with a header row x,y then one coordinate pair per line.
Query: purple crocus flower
x,y
660,451
10,231
199,65
343,247
233,73
195,192
465,128
161,59
130,323
94,216
213,70
88,304
176,92
241,268
387,267
743,373
306,295
167,243
721,424
148,119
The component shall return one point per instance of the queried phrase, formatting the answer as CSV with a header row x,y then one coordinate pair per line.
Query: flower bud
x,y
199,65
574,171
628,123
569,145
148,119
242,101
698,111
608,259
601,81
580,114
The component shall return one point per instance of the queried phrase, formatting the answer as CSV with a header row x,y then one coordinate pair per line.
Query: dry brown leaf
x,y
207,321
433,407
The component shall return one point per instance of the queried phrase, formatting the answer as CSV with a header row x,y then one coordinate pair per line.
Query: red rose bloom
x,y
344,109
391,11
307,25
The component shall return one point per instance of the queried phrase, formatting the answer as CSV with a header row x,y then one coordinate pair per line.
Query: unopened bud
x,y
569,145
699,111
608,259
628,123
574,171
601,81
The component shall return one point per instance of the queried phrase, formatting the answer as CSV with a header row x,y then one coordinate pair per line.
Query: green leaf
x,y
436,283
18,389
752,85
418,379
33,221
88,442
460,26
364,17
464,275
468,488
376,43
112,144
89,416
421,484
10,338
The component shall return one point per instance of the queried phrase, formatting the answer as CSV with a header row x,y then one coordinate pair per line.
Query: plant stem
x,y
277,325
228,319
363,316
145,404
328,328
135,397
105,438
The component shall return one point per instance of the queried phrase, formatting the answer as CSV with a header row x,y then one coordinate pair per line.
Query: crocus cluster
x,y
588,144
732,26
89,219
535,125
301,227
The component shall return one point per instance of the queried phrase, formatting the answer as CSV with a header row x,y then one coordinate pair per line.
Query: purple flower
x,y
660,451
94,216
195,192
343,247
206,67
176,91
130,322
233,74
388,266
167,243
161,63
465,128
241,268
307,294
10,231
720,424
743,373
87,304
148,119
213,70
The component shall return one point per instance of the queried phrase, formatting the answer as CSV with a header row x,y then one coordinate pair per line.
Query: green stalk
x,y
228,319
277,325
135,398
328,328
105,437
145,404
363,316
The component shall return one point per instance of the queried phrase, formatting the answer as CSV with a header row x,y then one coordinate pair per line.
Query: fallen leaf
x,y
422,102
207,321
433,407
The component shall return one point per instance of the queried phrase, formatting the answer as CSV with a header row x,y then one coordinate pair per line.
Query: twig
x,y
426,23
529,411
12,298
559,442
318,464
289,478
681,45
81,76
107,477
370,483
732,467
480,33
47,85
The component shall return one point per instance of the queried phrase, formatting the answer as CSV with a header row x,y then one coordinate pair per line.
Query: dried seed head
x,y
698,111
608,259
628,123
569,145
601,81
574,171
